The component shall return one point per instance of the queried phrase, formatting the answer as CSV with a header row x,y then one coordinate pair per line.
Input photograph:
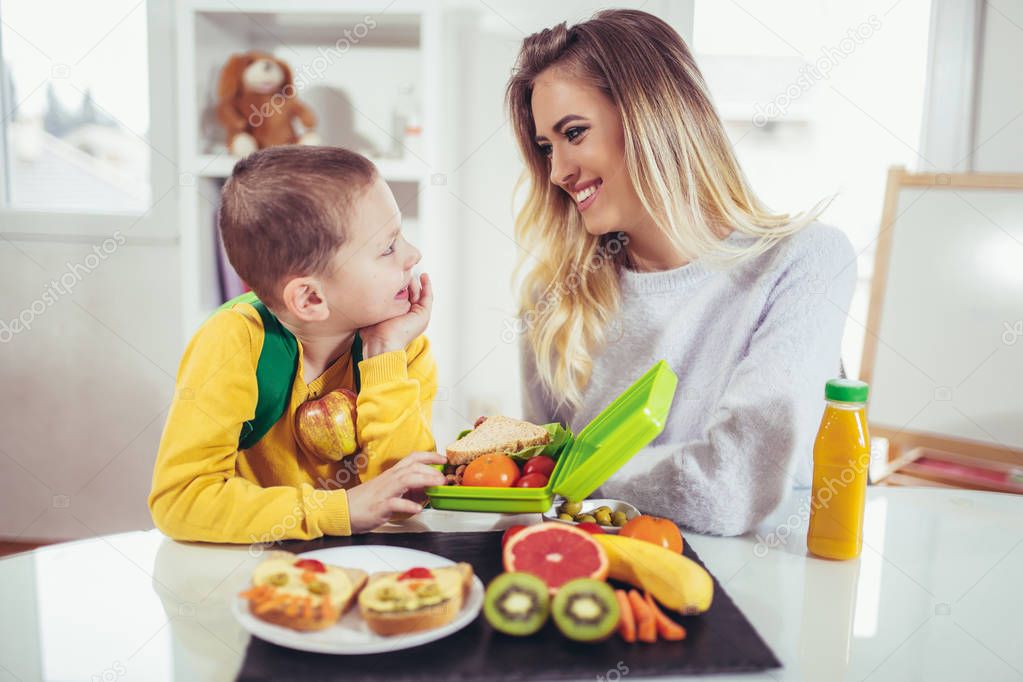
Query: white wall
x,y
998,136
84,392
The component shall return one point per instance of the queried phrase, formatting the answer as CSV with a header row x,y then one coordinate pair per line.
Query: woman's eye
x,y
546,150
573,133
390,249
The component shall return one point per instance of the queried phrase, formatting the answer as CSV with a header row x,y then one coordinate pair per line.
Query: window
x,y
820,98
75,105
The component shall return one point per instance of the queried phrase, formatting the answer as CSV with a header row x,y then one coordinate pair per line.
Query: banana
x,y
678,582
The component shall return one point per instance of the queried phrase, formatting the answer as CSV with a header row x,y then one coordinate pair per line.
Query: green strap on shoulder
x,y
275,371
356,359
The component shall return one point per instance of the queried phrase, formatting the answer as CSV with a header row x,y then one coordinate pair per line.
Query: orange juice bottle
x,y
841,457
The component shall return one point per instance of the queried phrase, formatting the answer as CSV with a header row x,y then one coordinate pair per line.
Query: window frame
x,y
159,220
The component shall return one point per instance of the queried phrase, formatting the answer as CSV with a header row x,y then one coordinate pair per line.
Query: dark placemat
x,y
720,640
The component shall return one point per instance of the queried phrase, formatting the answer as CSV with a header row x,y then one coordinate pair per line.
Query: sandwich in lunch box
x,y
497,434
514,439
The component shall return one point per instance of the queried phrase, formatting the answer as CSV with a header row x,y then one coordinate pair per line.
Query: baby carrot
x,y
645,627
666,627
626,621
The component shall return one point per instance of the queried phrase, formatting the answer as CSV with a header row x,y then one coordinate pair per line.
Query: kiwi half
x,y
517,603
585,610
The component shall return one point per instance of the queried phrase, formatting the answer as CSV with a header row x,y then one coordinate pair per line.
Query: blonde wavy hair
x,y
681,165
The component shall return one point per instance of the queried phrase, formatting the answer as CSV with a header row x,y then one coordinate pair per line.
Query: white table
x,y
937,595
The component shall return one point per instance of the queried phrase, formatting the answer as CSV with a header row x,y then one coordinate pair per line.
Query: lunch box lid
x,y
622,429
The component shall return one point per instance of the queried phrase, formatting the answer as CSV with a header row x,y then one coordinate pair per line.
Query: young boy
x,y
316,234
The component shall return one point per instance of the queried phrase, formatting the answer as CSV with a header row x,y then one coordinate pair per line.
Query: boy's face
x,y
369,278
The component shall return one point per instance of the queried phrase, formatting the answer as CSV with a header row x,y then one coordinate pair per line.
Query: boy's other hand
x,y
398,332
372,503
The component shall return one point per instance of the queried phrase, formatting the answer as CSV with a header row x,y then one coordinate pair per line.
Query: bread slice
x,y
453,582
302,599
496,434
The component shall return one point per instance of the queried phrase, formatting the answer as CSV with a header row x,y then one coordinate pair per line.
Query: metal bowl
x,y
588,506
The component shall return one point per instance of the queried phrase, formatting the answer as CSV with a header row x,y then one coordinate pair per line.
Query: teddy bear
x,y
258,104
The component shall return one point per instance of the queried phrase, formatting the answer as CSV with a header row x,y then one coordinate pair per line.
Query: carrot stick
x,y
326,609
254,592
626,621
269,605
645,626
666,627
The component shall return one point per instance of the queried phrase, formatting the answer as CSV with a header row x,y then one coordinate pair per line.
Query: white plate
x,y
351,634
588,506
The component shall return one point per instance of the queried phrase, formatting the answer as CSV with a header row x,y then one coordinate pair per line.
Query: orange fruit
x,y
653,529
494,470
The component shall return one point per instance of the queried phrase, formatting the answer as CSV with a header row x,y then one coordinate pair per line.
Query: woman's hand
x,y
372,503
398,332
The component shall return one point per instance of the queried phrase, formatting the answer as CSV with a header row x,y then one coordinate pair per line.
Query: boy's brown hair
x,y
283,209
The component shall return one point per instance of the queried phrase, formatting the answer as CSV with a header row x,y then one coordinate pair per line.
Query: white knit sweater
x,y
753,346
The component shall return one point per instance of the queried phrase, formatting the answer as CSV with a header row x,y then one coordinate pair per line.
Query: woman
x,y
644,242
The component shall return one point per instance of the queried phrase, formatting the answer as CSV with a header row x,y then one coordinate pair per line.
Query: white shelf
x,y
376,8
392,170
319,27
353,57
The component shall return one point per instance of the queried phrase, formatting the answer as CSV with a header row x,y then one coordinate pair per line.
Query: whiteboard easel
x,y
944,345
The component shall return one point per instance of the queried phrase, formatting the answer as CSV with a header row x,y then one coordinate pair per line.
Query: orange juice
x,y
841,456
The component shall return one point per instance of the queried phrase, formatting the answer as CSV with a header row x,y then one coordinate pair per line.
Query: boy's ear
x,y
304,299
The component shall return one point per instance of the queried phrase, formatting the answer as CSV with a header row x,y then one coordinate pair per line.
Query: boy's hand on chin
x,y
398,332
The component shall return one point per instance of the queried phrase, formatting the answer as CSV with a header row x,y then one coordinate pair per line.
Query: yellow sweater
x,y
204,488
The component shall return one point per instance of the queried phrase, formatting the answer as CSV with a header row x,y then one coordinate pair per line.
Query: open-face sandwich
x,y
302,594
417,599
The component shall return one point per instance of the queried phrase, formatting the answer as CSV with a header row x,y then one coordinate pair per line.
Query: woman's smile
x,y
586,193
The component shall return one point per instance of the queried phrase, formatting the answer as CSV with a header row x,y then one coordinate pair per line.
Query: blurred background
x,y
112,160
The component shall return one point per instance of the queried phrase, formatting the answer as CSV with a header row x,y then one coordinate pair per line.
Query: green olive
x,y
571,508
585,518
603,517
566,517
319,587
602,508
619,518
278,579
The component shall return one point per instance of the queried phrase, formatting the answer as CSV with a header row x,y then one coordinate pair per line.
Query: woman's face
x,y
579,130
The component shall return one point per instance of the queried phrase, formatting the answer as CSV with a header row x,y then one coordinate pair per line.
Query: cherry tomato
x,y
417,573
533,480
590,527
493,470
541,464
512,530
311,565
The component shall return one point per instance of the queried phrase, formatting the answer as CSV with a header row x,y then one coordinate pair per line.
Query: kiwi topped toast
x,y
302,594
417,599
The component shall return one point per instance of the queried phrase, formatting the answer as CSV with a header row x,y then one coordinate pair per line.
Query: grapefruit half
x,y
555,553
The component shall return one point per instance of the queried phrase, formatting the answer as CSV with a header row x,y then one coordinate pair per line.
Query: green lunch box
x,y
624,428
